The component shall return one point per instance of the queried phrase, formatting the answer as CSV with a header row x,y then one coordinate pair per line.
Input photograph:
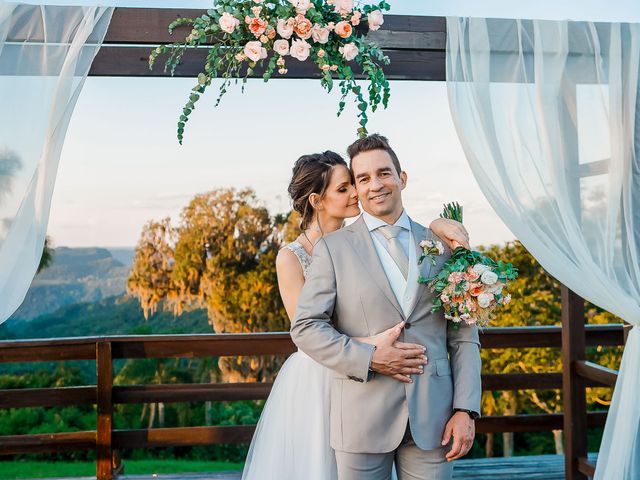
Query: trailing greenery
x,y
243,35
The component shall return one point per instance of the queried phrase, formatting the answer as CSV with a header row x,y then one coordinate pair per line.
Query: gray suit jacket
x,y
347,294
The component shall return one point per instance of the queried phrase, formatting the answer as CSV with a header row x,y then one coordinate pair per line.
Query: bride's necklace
x,y
312,244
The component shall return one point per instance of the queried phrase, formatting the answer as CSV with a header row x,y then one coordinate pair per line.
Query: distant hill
x,y
110,316
77,275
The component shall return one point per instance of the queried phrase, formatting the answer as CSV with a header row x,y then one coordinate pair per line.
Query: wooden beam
x,y
104,373
47,397
574,396
47,442
597,373
220,392
182,436
532,423
586,467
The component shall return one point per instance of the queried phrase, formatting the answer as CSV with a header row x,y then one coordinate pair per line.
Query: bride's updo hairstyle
x,y
311,174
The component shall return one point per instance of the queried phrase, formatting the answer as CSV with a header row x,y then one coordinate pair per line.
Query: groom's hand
x,y
462,428
399,360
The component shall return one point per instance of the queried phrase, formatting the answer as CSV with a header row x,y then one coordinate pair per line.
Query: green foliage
x,y
47,255
228,59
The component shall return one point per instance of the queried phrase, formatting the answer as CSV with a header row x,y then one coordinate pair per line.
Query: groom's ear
x,y
403,180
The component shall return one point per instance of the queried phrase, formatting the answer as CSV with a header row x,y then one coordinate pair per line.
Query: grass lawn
x,y
17,469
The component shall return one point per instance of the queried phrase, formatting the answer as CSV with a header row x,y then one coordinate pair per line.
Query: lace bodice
x,y
304,258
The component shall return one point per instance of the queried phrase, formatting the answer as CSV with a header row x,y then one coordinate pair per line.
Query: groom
x,y
413,401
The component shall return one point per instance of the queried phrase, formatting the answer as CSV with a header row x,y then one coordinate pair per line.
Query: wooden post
x,y
574,395
104,373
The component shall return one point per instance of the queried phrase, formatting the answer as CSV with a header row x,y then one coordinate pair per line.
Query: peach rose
x,y
255,51
282,71
320,34
325,67
258,26
300,49
321,53
271,33
355,18
475,289
343,29
455,277
375,20
303,27
281,47
280,62
256,11
228,22
285,28
334,68
349,51
264,39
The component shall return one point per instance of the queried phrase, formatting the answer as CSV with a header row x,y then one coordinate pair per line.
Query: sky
x,y
122,166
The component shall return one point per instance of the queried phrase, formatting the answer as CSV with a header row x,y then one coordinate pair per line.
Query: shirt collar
x,y
374,222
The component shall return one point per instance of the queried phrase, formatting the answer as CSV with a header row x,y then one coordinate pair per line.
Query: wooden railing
x,y
105,440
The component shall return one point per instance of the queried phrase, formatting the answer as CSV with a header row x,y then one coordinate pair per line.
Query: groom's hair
x,y
373,142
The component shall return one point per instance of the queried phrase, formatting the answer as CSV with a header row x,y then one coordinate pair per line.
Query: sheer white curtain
x,y
45,55
546,113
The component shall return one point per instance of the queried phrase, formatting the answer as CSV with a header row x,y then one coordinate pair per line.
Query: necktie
x,y
394,247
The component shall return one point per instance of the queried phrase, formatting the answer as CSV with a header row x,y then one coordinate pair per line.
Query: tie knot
x,y
390,231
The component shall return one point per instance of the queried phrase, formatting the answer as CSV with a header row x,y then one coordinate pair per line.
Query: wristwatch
x,y
471,413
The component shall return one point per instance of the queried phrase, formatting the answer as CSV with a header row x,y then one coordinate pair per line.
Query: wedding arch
x,y
519,91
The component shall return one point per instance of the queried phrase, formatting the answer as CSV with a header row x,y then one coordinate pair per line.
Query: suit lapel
x,y
420,233
362,243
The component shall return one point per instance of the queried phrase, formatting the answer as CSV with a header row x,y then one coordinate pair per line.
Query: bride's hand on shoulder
x,y
452,232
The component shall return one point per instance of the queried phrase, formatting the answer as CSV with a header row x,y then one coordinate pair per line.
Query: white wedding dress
x,y
291,441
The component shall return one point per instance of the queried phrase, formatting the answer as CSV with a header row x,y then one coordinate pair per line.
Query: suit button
x,y
407,326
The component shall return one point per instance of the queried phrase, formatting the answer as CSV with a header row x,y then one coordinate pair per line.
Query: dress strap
x,y
303,257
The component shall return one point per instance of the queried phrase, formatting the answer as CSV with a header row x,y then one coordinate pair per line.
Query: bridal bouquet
x,y
242,35
470,286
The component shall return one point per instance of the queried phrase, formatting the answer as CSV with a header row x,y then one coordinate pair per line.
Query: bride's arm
x,y
451,232
290,280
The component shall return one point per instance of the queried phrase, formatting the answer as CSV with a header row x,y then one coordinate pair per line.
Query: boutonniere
x,y
430,248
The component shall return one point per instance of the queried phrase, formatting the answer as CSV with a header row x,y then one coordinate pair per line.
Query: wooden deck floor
x,y
537,467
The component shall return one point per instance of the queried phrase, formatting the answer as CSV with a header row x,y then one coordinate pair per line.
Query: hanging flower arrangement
x,y
245,34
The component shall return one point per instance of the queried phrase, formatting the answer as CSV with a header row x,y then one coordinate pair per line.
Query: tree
x,y
47,255
220,257
536,301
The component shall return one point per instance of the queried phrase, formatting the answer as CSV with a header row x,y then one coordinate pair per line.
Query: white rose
x,y
285,29
506,299
440,248
349,51
375,19
484,300
496,288
228,22
320,34
489,278
253,50
480,268
300,49
281,47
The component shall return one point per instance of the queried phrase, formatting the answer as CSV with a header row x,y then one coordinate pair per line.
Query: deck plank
x,y
534,467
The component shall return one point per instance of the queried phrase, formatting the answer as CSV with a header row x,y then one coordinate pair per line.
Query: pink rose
x,y
349,51
228,22
256,11
375,19
355,18
281,47
444,298
301,6
344,7
455,277
285,28
320,34
255,51
300,49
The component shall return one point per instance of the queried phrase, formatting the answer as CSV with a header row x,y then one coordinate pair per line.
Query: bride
x,y
291,441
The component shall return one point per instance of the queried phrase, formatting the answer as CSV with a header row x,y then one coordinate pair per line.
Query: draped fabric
x,y
547,113
45,56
